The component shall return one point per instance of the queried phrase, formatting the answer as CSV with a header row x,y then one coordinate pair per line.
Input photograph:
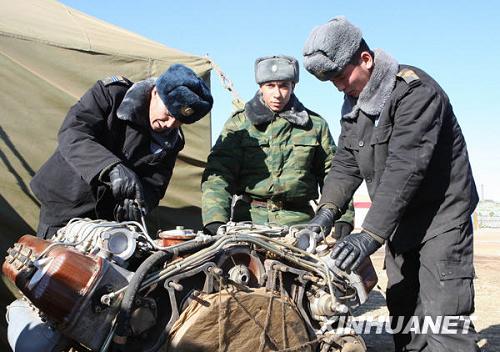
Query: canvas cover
x,y
236,320
50,55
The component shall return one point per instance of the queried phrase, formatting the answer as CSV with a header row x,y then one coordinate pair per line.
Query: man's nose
x,y
172,123
276,93
164,124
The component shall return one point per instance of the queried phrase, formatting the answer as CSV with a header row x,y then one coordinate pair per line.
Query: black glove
x,y
125,184
307,239
128,210
212,228
342,229
323,219
309,236
352,250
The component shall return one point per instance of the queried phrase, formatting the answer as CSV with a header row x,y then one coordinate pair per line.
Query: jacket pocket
x,y
456,294
303,153
381,134
350,142
451,270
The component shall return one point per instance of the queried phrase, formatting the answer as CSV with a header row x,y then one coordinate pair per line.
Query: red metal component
x,y
172,237
368,274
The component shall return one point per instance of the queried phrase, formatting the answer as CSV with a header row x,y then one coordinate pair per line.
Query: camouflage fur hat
x,y
186,96
276,68
330,47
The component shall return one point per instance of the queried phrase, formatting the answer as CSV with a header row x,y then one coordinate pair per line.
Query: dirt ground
x,y
487,294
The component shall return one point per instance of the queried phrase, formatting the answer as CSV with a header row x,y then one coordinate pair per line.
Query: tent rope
x,y
227,84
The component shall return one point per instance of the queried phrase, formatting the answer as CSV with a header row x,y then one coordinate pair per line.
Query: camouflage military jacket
x,y
281,158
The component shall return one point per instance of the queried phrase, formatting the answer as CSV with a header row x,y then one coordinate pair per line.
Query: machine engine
x,y
107,286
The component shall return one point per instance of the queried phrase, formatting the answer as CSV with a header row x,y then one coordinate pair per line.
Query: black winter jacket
x,y
92,138
414,160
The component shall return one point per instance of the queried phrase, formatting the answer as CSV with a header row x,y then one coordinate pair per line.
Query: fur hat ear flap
x,y
186,96
330,47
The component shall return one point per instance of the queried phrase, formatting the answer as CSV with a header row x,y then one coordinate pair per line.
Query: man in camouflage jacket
x,y
274,154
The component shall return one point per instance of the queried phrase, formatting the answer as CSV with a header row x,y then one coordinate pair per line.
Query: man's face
x,y
159,117
276,94
354,78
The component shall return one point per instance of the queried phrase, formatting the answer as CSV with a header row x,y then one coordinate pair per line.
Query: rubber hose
x,y
158,258
123,319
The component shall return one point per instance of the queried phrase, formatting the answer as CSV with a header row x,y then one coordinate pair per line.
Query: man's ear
x,y
367,59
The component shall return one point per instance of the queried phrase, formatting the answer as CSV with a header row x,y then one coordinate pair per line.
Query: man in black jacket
x,y
400,135
117,148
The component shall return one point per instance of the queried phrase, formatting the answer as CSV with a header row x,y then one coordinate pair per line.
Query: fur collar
x,y
378,89
258,113
135,105
135,108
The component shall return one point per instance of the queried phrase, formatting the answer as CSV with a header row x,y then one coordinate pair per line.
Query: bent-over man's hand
x,y
342,229
309,236
128,210
323,220
125,184
350,252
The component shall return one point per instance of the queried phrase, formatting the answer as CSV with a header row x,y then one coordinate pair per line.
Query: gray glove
x,y
125,184
350,252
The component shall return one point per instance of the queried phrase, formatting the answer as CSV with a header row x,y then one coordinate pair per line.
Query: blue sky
x,y
457,42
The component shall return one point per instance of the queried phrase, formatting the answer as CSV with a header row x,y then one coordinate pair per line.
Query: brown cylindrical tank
x,y
58,284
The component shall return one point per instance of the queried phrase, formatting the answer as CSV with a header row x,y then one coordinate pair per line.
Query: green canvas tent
x,y
50,55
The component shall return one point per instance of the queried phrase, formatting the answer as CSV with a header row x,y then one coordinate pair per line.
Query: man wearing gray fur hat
x,y
400,136
117,148
274,154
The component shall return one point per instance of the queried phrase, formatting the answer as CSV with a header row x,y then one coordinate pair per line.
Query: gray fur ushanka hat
x,y
330,47
276,68
185,95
